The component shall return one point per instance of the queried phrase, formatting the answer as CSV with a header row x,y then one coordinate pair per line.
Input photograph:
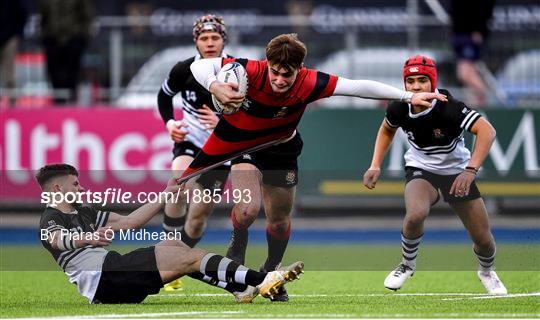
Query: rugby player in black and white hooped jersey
x,y
75,235
437,160
190,133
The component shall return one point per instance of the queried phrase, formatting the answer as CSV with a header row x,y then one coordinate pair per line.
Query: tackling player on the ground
x,y
437,160
280,88
75,236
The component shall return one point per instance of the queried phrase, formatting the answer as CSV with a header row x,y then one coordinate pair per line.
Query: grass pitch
x,y
340,281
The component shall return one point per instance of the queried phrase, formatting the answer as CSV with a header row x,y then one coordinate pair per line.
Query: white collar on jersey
x,y
423,113
199,57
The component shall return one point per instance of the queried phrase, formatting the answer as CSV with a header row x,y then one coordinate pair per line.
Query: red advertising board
x,y
112,148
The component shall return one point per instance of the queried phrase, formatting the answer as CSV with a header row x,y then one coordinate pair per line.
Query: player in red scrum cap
x,y
437,160
420,65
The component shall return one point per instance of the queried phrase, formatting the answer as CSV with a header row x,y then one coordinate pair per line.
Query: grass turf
x,y
340,281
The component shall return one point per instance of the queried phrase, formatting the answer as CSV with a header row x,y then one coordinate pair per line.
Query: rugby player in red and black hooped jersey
x,y
189,135
280,88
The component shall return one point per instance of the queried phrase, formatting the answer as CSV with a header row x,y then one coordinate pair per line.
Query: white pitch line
x,y
165,314
389,294
300,315
446,315
145,315
304,315
517,295
307,315
391,315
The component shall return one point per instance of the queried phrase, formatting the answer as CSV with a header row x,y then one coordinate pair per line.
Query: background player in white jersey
x,y
189,134
437,160
75,236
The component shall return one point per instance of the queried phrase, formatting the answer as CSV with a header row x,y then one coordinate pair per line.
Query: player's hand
x,y
207,117
371,177
226,93
462,184
177,130
102,237
172,188
425,98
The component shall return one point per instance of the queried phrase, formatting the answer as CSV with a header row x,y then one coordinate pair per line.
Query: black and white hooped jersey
x,y
435,135
82,265
194,96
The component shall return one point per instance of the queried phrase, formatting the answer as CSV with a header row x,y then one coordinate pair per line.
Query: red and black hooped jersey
x,y
265,115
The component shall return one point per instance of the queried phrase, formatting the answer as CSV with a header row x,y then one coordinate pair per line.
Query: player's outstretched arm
x,y
376,90
424,98
382,143
142,215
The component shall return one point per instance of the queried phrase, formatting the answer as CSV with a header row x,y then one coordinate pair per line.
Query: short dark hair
x,y
286,51
50,171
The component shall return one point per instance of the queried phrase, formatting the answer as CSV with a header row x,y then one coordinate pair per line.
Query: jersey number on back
x,y
191,95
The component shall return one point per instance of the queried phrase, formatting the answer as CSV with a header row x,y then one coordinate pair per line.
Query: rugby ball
x,y
232,72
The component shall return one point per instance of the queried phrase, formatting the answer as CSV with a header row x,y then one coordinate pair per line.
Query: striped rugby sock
x,y
485,263
226,270
173,225
409,250
231,287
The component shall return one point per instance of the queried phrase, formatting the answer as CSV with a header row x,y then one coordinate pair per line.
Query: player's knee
x,y
246,214
181,200
485,243
279,226
416,216
176,208
282,210
197,225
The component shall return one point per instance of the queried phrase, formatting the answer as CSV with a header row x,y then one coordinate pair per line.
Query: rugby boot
x,y
281,295
397,277
275,280
247,295
491,282
174,285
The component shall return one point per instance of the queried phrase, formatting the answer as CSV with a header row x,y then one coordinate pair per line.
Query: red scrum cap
x,y
421,65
